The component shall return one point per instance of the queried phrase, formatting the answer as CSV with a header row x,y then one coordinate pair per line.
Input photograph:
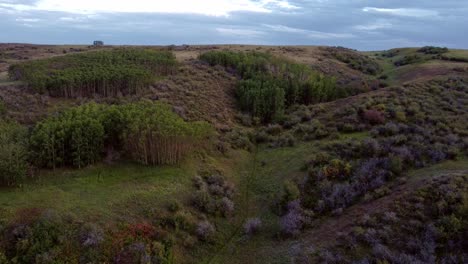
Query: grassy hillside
x,y
310,155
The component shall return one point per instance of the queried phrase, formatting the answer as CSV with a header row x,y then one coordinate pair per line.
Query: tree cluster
x,y
106,73
149,133
13,153
270,84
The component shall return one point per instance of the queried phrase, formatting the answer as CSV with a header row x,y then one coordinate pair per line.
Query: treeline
x,y
270,84
107,73
150,133
433,50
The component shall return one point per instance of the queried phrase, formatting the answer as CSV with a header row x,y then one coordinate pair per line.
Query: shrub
x,y
290,193
292,222
252,226
205,230
400,116
91,235
374,117
226,206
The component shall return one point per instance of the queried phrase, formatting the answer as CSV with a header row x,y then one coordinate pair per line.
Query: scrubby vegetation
x,y
286,177
419,56
105,73
270,84
426,226
410,59
149,132
214,195
414,131
355,60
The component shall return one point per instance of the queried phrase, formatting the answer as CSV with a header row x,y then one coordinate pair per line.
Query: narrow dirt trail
x,y
244,204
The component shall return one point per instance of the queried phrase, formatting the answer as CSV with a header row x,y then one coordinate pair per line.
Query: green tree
x,y
13,153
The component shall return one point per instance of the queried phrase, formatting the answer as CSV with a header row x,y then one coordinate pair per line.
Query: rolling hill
x,y
233,154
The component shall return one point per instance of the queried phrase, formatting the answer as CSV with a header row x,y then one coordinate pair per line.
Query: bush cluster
x,y
214,195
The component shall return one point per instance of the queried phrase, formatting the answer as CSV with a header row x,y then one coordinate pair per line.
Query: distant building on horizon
x,y
98,43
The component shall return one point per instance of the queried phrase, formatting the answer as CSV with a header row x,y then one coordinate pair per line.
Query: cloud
x,y
405,12
359,24
28,20
281,28
377,25
279,3
308,33
239,32
205,7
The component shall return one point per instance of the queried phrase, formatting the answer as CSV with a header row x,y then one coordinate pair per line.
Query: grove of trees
x,y
150,133
153,134
269,83
105,73
13,153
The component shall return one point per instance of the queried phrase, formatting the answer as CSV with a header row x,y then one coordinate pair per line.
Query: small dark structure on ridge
x,y
98,43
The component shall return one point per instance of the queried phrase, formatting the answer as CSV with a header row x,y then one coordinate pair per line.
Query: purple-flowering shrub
x,y
292,222
205,230
91,235
226,206
252,226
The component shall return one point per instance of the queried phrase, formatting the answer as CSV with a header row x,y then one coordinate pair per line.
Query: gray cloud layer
x,y
360,24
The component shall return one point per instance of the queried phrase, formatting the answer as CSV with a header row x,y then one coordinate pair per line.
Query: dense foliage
x,y
433,50
13,153
106,73
154,134
75,137
270,84
150,133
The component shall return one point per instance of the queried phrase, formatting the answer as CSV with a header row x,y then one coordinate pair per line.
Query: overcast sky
x,y
359,24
